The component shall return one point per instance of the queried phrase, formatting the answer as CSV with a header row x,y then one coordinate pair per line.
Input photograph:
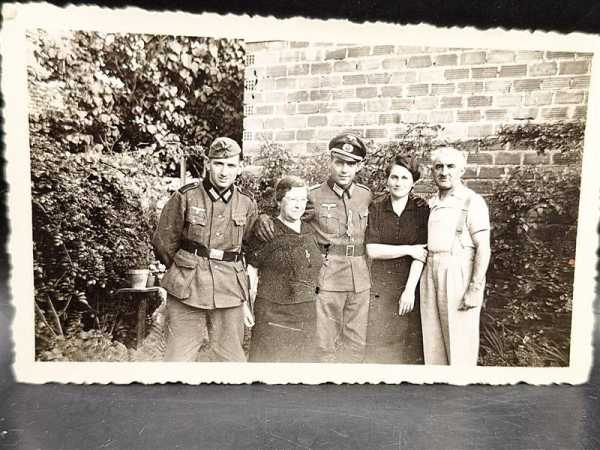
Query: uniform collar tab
x,y
214,194
339,190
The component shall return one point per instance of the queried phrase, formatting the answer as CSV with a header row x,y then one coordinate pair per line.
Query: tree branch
x,y
40,313
55,316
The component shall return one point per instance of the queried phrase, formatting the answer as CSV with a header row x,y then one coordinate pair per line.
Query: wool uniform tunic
x,y
284,310
199,215
339,219
392,338
451,336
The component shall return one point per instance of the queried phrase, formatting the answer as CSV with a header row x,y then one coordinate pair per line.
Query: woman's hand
x,y
418,252
406,302
248,316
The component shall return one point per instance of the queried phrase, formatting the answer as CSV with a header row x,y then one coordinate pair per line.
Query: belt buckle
x,y
350,247
214,253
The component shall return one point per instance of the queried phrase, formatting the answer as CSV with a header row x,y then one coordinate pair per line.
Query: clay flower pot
x,y
138,278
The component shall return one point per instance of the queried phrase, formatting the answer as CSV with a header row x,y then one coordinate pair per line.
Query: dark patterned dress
x,y
284,310
392,338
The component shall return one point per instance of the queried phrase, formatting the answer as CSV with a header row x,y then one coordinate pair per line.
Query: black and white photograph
x,y
345,208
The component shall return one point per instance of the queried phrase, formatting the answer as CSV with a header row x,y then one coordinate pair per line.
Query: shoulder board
x,y
188,187
363,186
313,187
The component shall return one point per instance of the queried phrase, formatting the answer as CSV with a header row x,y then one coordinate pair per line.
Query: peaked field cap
x,y
348,147
224,147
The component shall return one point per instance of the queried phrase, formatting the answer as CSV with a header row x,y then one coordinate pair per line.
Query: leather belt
x,y
210,253
343,249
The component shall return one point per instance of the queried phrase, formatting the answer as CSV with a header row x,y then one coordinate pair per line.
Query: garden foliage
x,y
527,319
113,115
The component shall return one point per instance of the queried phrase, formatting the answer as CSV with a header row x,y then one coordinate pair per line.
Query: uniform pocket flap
x,y
197,216
363,213
239,219
187,262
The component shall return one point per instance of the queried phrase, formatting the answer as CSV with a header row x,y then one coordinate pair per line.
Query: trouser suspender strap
x,y
462,218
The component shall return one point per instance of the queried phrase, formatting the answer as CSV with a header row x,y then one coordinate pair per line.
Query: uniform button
x,y
220,216
219,234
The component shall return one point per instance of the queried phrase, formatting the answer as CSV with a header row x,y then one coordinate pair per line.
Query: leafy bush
x,y
88,230
527,318
120,92
79,345
563,136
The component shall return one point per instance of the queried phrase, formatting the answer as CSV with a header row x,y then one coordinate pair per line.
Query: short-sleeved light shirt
x,y
445,214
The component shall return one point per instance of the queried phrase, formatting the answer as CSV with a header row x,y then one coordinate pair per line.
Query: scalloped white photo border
x,y
20,17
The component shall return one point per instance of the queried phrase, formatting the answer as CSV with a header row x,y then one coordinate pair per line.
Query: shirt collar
x,y
458,194
214,194
340,191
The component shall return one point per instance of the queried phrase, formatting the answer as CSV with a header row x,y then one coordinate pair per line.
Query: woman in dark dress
x,y
288,270
396,238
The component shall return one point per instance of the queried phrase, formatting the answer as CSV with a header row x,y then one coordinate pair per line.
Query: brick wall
x,y
300,95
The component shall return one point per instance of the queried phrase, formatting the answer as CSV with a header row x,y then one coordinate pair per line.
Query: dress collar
x,y
287,230
410,203
213,192
340,191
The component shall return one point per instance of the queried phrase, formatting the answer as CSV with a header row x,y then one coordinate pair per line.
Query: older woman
x,y
396,238
288,268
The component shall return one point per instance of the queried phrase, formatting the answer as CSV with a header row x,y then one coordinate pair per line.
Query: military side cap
x,y
224,147
348,147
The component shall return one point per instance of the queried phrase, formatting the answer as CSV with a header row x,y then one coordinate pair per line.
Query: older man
x,y
453,281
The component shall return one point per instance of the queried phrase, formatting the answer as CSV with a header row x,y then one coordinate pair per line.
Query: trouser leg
x,y
227,334
330,309
354,329
433,315
463,326
186,331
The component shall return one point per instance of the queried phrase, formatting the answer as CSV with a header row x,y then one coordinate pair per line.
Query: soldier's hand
x,y
418,252
248,316
407,302
264,228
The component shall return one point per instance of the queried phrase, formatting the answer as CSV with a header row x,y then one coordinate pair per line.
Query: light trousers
x,y
450,336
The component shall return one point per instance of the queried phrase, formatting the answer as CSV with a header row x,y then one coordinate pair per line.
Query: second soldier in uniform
x,y
199,238
338,210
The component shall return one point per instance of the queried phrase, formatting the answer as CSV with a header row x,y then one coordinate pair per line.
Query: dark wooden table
x,y
142,295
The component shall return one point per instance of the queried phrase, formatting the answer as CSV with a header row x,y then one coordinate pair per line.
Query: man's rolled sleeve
x,y
478,218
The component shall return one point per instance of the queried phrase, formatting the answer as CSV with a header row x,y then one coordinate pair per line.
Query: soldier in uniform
x,y
199,238
453,281
337,210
